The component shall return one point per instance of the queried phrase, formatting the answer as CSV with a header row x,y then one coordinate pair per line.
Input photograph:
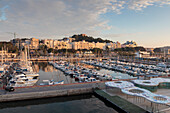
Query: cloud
x,y
57,17
123,35
43,18
2,13
118,5
140,4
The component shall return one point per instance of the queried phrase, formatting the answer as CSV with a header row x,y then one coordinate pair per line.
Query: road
x,y
54,87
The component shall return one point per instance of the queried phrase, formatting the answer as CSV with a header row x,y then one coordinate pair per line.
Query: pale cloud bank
x,y
50,18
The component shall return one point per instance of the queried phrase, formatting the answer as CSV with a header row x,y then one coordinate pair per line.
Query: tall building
x,y
100,45
56,43
165,50
80,45
61,44
118,44
16,42
49,43
113,45
34,43
92,45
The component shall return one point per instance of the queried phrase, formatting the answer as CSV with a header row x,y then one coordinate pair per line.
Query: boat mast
x,y
29,54
53,51
26,56
164,55
5,52
2,56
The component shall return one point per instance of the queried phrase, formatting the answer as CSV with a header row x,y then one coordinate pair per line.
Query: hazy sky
x,y
145,21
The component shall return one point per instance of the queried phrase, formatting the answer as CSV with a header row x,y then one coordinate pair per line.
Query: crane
x,y
13,34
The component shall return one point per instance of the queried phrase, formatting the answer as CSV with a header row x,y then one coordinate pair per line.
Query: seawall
x,y
37,92
44,94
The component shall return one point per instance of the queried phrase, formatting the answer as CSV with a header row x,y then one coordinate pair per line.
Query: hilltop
x,y
82,37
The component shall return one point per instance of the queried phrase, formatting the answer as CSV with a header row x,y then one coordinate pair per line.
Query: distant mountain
x,y
82,37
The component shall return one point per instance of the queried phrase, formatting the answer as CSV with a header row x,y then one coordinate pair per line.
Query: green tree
x,y
50,50
89,39
8,45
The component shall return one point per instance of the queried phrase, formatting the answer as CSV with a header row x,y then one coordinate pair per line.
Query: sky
x,y
145,21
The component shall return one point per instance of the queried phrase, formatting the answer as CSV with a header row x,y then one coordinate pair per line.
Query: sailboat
x,y
29,70
2,66
27,78
51,82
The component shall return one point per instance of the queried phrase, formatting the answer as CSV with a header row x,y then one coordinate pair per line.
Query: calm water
x,y
115,74
48,72
72,104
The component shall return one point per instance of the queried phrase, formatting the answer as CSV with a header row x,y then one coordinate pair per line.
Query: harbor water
x,y
87,103
72,104
48,72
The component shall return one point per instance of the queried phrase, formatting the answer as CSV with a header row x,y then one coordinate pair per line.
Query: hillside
x,y
89,38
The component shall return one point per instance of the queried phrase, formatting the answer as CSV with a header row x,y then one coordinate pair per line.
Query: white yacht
x,y
22,81
51,82
161,65
1,69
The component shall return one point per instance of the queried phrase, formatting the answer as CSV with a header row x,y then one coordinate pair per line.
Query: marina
x,y
135,69
78,78
121,85
84,56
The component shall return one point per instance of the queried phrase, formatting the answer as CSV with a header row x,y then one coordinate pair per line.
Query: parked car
x,y
9,89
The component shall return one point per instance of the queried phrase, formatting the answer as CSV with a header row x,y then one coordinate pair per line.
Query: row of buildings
x,y
164,52
68,43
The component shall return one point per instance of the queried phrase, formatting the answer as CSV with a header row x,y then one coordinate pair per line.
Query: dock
x,y
118,103
36,92
50,91
57,58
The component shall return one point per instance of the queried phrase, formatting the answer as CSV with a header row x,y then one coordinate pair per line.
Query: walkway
x,y
120,103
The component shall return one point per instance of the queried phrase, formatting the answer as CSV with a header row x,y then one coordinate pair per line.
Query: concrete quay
x,y
36,92
119,104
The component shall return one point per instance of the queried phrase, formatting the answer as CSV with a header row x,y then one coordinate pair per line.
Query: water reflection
x,y
114,74
48,72
72,104
43,101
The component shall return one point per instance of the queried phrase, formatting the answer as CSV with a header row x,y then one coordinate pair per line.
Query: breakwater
x,y
36,92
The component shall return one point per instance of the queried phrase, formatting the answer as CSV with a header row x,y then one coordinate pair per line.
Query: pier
x,y
35,92
119,103
124,59
117,100
56,58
